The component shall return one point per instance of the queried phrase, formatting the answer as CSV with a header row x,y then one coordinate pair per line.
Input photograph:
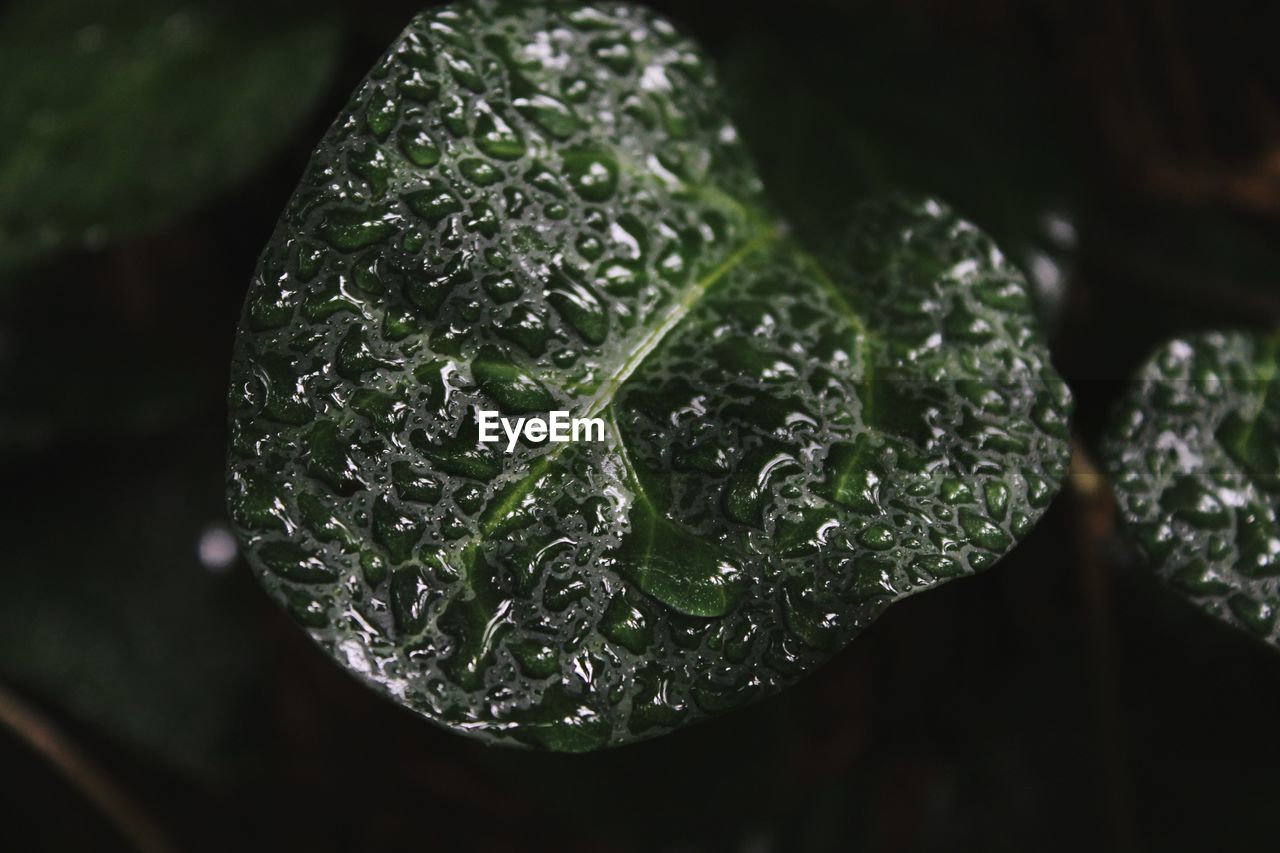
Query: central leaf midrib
x,y
603,397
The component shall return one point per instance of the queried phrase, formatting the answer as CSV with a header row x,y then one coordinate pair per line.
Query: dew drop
x,y
592,172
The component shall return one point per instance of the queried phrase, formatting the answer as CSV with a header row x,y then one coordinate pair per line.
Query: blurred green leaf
x,y
852,99
123,605
119,114
1195,453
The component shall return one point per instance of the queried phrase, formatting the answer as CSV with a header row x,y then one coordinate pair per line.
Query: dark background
x,y
1126,153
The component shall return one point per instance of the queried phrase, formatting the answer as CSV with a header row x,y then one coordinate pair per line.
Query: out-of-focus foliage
x,y
121,605
115,115
1195,455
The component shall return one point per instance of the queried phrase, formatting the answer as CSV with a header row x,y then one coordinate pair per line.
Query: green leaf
x,y
120,115
793,439
1195,453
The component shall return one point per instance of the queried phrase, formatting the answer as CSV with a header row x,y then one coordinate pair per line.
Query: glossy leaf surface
x,y
1195,454
526,209
117,115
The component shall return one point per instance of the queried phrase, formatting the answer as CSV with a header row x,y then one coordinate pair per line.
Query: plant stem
x,y
43,736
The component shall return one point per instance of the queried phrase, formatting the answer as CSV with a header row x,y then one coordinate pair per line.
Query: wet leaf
x,y
793,436
120,115
1195,453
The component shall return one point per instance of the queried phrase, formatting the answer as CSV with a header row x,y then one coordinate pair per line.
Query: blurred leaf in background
x,y
166,129
1194,455
854,98
123,608
118,114
124,604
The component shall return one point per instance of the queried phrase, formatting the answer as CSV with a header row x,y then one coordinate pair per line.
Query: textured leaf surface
x,y
119,113
526,209
1195,453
